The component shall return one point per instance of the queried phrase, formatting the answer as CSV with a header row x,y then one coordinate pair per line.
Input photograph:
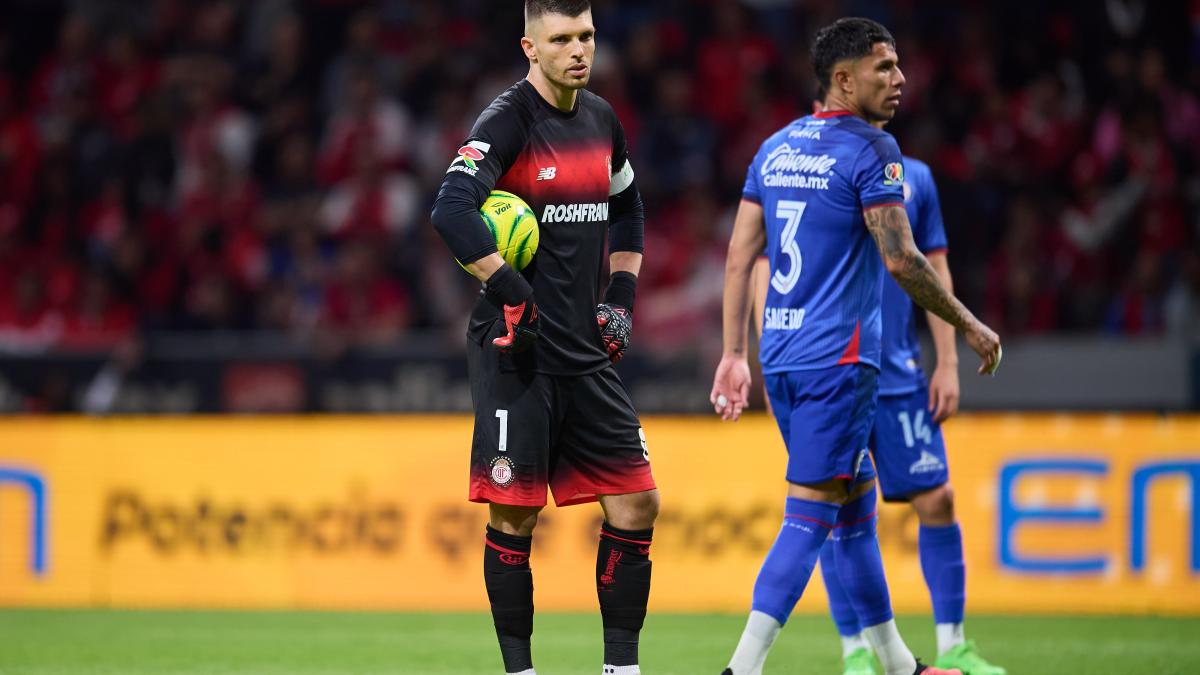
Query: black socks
x,y
509,584
623,586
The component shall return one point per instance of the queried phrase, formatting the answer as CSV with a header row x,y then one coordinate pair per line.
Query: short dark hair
x,y
571,8
848,38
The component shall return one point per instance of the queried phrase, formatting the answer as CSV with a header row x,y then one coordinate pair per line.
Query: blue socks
x,y
790,562
859,564
851,565
941,552
839,603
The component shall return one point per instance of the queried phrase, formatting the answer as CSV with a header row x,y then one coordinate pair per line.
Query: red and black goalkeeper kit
x,y
552,411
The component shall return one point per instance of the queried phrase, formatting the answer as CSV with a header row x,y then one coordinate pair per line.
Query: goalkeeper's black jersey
x,y
563,165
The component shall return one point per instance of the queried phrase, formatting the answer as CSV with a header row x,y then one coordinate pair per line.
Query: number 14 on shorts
x,y
915,428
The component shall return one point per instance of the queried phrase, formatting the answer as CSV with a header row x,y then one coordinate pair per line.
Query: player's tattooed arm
x,y
908,266
905,262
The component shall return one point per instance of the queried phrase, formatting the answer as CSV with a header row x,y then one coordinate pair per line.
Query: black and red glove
x,y
509,291
615,314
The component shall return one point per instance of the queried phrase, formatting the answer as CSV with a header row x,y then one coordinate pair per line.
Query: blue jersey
x,y
814,178
901,371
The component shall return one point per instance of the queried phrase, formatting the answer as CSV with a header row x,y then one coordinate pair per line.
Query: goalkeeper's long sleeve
x,y
456,218
627,221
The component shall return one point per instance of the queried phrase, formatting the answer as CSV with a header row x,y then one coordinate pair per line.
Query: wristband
x,y
506,286
621,289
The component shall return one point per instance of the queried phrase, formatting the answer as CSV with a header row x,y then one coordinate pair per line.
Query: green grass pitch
x,y
101,642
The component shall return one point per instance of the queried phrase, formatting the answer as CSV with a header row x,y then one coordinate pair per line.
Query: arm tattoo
x,y
889,226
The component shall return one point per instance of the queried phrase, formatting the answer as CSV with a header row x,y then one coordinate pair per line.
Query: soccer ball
x,y
513,225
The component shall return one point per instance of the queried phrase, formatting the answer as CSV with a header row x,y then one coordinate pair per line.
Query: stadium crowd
x,y
229,165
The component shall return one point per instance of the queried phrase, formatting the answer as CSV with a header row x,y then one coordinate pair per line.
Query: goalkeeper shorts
x,y
576,434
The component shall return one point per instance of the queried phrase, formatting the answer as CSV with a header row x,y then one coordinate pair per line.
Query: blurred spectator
x,y
96,318
217,131
212,27
100,396
1183,300
680,145
300,270
436,137
1082,264
685,276
362,304
363,52
1021,297
282,71
372,202
1138,308
67,69
149,161
1183,124
1047,115
27,321
292,195
365,119
127,77
20,155
728,61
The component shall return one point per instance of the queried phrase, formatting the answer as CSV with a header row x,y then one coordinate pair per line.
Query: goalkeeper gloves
x,y
509,291
615,314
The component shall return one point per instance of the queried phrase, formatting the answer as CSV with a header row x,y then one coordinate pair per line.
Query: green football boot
x,y
859,662
966,658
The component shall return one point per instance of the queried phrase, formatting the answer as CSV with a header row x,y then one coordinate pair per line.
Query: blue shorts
x,y
907,446
825,417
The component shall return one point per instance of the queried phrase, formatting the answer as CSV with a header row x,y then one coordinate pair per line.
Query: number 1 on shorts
x,y
503,415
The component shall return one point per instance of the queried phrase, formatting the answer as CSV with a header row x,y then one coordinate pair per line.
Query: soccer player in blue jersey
x,y
907,446
817,193
910,454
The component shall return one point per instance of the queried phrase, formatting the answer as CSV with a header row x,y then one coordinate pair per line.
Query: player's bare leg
x,y
635,511
509,581
935,508
518,520
623,575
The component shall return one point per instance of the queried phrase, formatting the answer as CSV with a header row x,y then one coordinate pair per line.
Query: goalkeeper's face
x,y
563,47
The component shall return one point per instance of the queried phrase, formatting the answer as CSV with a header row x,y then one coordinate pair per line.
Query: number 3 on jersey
x,y
790,212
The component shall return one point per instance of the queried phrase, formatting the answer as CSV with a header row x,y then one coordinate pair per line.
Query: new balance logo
x,y
547,173
928,463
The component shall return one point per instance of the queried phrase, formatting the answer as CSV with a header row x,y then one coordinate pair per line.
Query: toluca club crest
x,y
503,472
